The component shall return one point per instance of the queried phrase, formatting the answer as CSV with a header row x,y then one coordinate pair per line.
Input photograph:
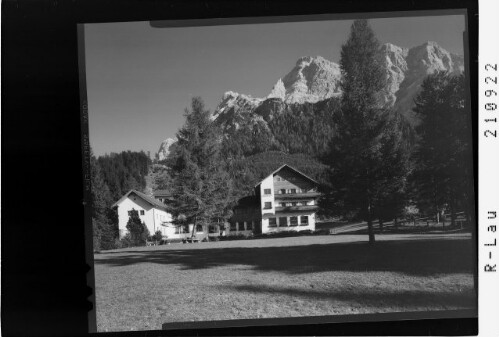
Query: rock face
x,y
315,79
233,103
164,148
396,66
422,61
312,79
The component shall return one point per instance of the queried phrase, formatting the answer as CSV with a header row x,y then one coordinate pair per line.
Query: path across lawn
x,y
142,288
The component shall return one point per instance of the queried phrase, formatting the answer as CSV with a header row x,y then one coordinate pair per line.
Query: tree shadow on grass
x,y
413,257
390,299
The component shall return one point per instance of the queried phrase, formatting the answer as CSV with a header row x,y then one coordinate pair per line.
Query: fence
x,y
459,218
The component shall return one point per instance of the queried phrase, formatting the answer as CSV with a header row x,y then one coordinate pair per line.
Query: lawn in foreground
x,y
142,288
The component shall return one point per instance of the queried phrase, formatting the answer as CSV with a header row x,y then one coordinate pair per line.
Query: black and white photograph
x,y
281,168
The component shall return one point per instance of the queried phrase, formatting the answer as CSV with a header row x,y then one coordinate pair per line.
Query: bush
x,y
126,241
158,236
137,229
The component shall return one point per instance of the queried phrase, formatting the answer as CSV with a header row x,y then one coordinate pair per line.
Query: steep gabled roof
x,y
153,202
292,169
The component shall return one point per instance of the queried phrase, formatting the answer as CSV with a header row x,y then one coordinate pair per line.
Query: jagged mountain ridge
x,y
314,79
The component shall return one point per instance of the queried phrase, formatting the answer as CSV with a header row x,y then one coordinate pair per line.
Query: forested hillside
x,y
124,171
112,176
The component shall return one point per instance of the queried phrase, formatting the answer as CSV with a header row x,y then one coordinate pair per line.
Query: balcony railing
x,y
296,208
295,196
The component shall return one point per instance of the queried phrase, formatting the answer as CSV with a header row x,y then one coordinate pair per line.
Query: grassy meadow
x,y
142,288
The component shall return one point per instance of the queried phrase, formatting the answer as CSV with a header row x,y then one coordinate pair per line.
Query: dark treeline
x,y
442,179
112,176
124,171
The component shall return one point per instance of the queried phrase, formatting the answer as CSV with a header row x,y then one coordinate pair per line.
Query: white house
x,y
286,200
151,211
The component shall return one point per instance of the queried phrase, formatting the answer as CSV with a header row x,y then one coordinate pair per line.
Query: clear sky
x,y
140,79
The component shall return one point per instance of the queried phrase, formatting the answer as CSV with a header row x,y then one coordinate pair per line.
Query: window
x,y
272,222
199,228
293,204
283,222
185,229
267,191
250,226
283,191
177,230
142,212
267,205
212,229
293,190
283,204
293,221
304,220
233,226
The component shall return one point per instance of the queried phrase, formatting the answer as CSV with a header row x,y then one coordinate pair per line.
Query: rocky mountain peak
x,y
232,102
315,79
311,80
164,148
278,91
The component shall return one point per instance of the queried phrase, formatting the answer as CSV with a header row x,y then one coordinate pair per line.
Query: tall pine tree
x,y
442,179
201,187
103,223
367,160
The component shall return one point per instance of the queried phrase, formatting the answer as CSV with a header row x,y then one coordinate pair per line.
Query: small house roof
x,y
162,193
153,202
291,168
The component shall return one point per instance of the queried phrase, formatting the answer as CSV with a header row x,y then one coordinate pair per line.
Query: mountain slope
x,y
314,79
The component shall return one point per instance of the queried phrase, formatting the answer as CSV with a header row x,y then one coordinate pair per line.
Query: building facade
x,y
286,200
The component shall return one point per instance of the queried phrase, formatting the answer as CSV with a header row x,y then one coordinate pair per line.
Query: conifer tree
x,y
102,222
442,178
137,229
201,186
367,159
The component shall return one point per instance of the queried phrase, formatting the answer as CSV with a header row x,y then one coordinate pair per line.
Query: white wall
x,y
267,183
152,217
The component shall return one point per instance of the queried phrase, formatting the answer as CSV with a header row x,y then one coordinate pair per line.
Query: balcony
x,y
297,196
291,209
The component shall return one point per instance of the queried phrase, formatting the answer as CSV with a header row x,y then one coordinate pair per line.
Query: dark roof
x,y
153,202
249,201
162,193
292,169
